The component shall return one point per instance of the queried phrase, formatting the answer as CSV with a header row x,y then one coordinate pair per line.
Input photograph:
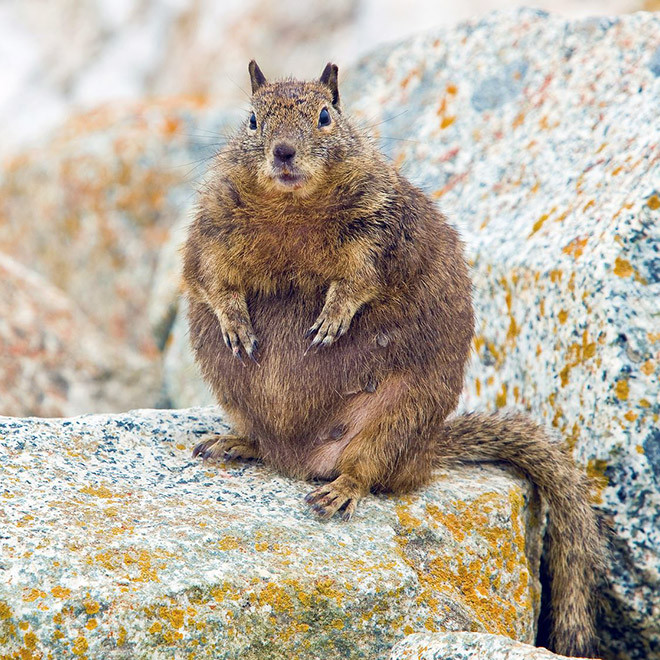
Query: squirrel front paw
x,y
332,323
238,335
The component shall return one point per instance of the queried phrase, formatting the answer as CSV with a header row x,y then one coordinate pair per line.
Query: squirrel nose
x,y
283,153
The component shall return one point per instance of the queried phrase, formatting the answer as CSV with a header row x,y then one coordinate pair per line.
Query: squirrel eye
x,y
253,122
324,118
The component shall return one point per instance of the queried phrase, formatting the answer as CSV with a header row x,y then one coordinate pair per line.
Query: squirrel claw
x,y
341,495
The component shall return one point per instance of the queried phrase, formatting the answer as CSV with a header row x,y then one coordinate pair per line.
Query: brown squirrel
x,y
331,313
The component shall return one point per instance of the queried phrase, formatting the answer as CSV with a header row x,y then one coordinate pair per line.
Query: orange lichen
x,y
538,224
621,389
60,592
500,398
653,202
33,595
80,645
622,267
562,315
576,247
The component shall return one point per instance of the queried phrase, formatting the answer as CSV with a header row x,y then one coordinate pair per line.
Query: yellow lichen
x,y
228,543
622,390
91,606
80,645
60,592
622,267
500,397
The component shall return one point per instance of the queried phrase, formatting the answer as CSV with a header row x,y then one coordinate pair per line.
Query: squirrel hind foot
x,y
227,447
339,496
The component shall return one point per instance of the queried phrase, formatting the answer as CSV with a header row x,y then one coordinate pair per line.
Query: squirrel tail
x,y
576,549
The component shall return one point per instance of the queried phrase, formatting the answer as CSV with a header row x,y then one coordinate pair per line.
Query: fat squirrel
x,y
330,311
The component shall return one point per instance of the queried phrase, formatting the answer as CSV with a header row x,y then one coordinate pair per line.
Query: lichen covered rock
x,y
116,544
54,362
91,208
467,646
539,138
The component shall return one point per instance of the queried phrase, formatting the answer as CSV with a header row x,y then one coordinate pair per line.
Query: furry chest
x,y
294,251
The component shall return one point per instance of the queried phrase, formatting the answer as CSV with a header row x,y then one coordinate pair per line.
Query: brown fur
x,y
352,292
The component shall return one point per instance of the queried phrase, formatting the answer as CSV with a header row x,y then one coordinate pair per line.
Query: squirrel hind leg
x,y
386,448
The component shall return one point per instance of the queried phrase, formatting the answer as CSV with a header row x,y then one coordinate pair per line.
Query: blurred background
x,y
110,111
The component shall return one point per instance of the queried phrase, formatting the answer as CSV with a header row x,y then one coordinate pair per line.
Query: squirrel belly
x,y
330,311
302,406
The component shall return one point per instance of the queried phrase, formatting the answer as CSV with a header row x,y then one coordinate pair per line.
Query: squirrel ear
x,y
256,77
329,78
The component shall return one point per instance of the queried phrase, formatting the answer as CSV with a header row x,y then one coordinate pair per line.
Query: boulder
x,y
55,362
116,544
467,646
91,207
538,137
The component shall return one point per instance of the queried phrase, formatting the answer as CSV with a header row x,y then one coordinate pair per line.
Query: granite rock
x,y
55,362
92,206
116,544
539,138
467,646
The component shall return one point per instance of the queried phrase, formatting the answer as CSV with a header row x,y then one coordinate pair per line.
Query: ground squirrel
x,y
330,310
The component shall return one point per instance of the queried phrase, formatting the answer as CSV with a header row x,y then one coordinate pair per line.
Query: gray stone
x,y
115,544
467,646
556,193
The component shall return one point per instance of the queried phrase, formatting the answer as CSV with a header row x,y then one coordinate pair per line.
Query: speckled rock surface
x,y
91,208
539,137
54,362
467,646
115,544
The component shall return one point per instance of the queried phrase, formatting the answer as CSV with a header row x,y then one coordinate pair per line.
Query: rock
x,y
467,646
91,208
539,139
116,544
71,54
54,362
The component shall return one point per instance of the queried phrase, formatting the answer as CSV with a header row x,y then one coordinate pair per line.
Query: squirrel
x,y
330,310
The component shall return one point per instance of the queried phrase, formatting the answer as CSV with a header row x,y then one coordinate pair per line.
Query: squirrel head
x,y
295,131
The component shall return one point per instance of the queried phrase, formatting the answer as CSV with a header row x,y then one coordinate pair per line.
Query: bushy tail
x,y
576,551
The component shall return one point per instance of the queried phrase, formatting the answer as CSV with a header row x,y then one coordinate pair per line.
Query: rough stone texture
x,y
539,138
91,208
116,544
54,362
467,646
